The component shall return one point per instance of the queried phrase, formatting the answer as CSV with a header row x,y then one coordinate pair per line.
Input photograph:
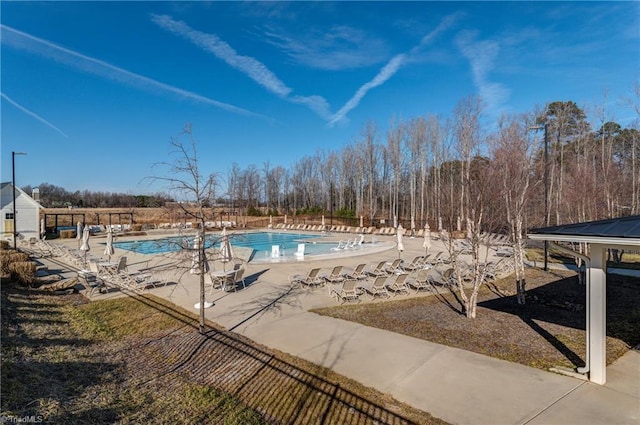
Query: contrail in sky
x,y
248,65
23,41
389,70
33,114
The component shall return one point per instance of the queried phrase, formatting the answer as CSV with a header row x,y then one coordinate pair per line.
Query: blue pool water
x,y
260,242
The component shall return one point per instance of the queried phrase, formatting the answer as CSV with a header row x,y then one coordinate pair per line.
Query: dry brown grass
x,y
141,360
548,331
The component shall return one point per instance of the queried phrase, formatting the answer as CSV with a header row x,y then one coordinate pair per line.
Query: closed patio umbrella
x,y
323,222
195,261
399,234
427,239
85,242
226,250
79,233
108,250
361,221
43,228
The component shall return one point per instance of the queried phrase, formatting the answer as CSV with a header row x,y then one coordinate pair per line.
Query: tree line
x,y
52,196
431,169
434,170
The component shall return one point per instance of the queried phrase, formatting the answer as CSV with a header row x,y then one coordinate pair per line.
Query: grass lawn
x,y
548,331
141,360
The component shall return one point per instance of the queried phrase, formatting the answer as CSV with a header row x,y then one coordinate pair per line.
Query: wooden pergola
x,y
601,235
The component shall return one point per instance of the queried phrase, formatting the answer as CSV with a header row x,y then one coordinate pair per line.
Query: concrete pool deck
x,y
455,385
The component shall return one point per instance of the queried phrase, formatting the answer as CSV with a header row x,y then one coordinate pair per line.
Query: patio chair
x,y
437,259
311,279
415,264
231,281
358,273
341,245
299,254
448,278
463,246
375,287
122,264
335,276
394,267
421,281
346,291
379,270
398,284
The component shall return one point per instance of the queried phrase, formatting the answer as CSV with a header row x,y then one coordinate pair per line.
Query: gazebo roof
x,y
615,231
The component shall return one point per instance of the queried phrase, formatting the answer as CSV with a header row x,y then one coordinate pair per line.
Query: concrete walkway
x,y
455,385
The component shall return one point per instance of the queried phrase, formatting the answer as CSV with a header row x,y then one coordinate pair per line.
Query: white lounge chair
x,y
398,284
310,279
299,254
346,291
375,287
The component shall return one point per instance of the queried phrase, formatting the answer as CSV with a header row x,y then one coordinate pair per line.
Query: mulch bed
x,y
548,331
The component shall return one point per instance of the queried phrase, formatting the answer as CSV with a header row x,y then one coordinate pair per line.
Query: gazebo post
x,y
597,313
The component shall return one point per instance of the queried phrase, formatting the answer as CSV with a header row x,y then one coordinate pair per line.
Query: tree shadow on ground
x,y
563,301
284,392
281,390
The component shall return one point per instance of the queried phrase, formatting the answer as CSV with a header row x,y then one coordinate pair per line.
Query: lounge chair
x,y
299,254
395,267
504,251
421,281
375,287
311,279
358,272
437,259
335,276
379,270
463,246
341,245
416,264
346,291
398,284
448,278
494,269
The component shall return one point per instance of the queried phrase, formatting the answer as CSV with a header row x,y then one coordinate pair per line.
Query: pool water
x,y
260,242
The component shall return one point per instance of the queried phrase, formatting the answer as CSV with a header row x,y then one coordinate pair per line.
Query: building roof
x,y
621,230
6,187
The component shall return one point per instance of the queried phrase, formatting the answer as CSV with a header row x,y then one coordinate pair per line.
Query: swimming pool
x,y
260,242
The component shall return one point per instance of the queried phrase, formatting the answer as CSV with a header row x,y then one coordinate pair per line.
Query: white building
x,y
27,213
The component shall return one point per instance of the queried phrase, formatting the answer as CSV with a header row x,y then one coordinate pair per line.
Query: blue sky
x,y
93,91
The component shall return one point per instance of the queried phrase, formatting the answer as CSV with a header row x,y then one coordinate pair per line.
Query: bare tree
x,y
197,190
513,161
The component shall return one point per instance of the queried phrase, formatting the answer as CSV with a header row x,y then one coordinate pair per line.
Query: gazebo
x,y
601,235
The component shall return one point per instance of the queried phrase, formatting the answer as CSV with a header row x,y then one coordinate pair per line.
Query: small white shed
x,y
27,213
615,233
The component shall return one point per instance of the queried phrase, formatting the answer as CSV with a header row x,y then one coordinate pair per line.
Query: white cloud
x,y
23,41
338,48
385,73
253,68
33,114
481,55
390,69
